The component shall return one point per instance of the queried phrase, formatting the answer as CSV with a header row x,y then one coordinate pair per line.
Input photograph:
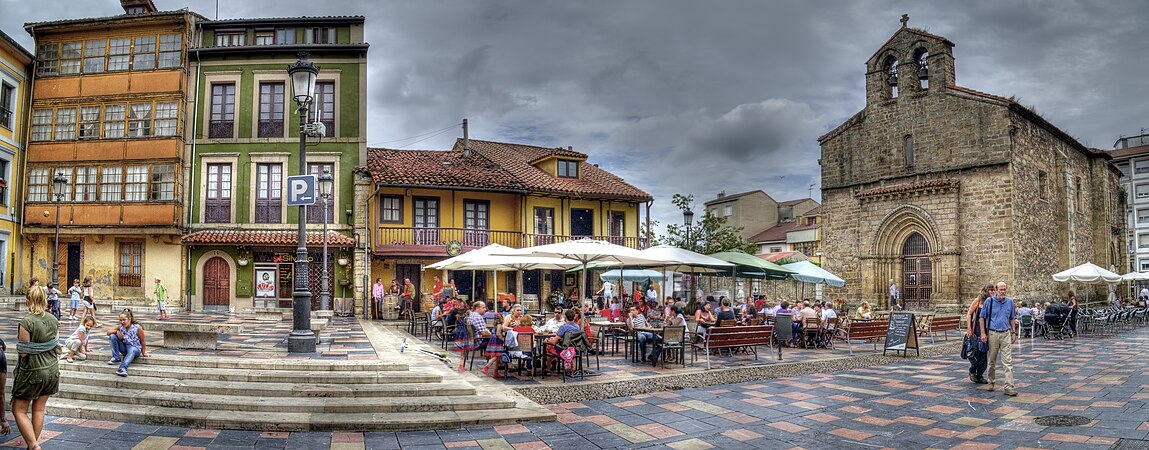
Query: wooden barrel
x,y
390,307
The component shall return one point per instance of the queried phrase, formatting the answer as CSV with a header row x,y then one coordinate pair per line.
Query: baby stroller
x,y
1055,319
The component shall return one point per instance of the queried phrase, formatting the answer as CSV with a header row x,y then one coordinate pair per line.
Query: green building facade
x,y
242,236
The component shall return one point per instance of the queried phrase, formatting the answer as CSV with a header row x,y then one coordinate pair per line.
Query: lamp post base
x,y
301,341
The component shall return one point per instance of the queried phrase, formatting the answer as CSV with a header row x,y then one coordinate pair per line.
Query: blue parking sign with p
x,y
301,190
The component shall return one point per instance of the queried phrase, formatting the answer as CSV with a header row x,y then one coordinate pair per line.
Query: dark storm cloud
x,y
698,97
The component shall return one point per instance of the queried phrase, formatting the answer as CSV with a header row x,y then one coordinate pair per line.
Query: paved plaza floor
x,y
916,403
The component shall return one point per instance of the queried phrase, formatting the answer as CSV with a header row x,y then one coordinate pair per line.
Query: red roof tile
x,y
1130,151
264,237
774,233
813,212
438,168
516,160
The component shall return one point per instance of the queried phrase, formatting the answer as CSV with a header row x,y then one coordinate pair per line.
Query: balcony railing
x,y
409,240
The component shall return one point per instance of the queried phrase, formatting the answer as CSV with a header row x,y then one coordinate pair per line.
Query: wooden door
x,y
216,280
917,273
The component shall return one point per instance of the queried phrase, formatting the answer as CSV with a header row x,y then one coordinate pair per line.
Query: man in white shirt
x,y
828,313
555,322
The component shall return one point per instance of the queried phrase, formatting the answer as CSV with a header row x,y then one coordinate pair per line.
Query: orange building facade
x,y
107,115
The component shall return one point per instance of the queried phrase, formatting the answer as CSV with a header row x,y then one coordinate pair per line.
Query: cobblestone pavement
x,y
918,403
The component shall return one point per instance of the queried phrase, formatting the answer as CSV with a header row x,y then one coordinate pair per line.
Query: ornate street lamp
x,y
688,219
59,182
325,185
301,339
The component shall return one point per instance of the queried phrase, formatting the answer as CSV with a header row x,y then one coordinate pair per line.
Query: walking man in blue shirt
x,y
998,329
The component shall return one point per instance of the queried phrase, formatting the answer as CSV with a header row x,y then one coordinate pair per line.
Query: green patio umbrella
x,y
750,266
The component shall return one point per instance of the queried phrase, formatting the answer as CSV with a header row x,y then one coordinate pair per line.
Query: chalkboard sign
x,y
901,334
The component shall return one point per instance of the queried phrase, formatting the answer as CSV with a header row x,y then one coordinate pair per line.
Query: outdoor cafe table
x,y
603,327
656,331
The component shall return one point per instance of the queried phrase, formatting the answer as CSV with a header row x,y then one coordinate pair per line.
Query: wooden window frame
x,y
272,112
71,57
85,189
111,184
115,127
39,180
162,183
144,52
223,191
129,262
95,56
136,182
7,104
223,116
268,193
315,213
64,128
397,210
326,106
119,54
564,167
91,126
170,49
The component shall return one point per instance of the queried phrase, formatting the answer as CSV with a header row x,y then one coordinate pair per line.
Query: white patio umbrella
x,y
808,272
1135,276
682,260
1088,273
457,262
519,264
586,251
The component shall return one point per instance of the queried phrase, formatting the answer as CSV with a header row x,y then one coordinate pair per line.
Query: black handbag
x,y
965,347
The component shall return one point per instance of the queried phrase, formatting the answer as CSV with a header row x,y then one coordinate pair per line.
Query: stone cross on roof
x,y
905,20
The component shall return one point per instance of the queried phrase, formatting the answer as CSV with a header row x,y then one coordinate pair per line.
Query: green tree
x,y
708,235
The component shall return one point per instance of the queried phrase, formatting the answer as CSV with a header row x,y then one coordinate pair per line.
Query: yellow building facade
x,y
15,84
420,207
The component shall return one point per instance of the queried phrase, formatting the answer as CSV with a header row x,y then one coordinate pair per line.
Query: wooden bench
x,y
733,337
864,329
943,325
200,336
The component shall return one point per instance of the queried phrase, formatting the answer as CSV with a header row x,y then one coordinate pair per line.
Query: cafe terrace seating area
x,y
611,352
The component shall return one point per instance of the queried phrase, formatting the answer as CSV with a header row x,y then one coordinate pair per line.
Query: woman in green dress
x,y
37,372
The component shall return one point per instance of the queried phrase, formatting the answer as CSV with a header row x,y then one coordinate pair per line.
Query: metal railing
x,y
420,236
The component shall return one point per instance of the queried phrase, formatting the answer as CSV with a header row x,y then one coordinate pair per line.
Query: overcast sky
x,y
698,96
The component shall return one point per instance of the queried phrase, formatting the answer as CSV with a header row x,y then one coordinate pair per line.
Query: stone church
x,y
944,189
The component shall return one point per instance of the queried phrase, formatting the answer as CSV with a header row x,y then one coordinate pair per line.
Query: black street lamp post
x,y
301,339
688,219
58,185
325,186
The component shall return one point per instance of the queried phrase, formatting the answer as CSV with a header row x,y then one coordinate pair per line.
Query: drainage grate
x,y
1061,421
1130,444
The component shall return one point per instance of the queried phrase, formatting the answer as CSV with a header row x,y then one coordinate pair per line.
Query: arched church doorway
x,y
917,273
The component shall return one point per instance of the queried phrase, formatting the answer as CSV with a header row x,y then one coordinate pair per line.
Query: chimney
x,y
138,6
721,194
466,141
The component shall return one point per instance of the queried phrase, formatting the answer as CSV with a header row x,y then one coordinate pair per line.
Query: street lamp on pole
x,y
687,220
301,339
325,185
59,183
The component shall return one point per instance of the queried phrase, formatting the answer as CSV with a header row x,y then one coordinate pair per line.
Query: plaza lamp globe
x,y
303,74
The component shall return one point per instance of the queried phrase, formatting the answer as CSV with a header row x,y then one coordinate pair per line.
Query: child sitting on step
x,y
77,343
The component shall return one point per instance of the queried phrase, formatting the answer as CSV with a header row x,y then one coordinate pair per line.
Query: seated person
x,y
636,320
552,325
725,312
1025,310
569,326
864,312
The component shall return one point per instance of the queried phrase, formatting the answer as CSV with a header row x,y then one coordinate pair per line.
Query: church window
x,y
1078,193
1043,184
909,150
890,68
921,57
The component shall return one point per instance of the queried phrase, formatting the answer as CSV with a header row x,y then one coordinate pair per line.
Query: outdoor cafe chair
x,y
811,328
673,339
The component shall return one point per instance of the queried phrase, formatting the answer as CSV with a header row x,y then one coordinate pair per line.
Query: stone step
x,y
435,402
313,365
262,389
290,421
257,375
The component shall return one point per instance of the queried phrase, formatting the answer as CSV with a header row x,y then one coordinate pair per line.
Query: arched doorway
x,y
917,273
216,280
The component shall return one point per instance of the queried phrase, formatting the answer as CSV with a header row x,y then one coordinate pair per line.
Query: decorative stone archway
x,y
889,260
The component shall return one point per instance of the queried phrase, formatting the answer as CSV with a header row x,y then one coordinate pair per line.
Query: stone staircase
x,y
283,395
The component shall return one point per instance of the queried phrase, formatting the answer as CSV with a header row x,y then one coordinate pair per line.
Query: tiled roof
x,y
29,26
795,202
778,256
774,233
264,237
1131,151
594,182
495,166
438,168
726,198
253,20
813,212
